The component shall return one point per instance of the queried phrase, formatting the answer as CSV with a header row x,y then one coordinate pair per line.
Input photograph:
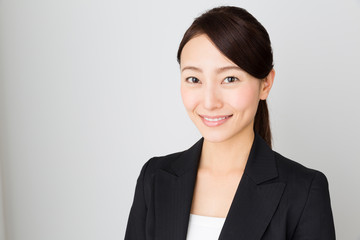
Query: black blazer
x,y
276,199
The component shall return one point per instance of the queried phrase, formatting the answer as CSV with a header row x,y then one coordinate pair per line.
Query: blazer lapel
x,y
174,188
253,206
256,199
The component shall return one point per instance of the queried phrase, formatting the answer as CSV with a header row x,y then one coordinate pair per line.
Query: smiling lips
x,y
213,121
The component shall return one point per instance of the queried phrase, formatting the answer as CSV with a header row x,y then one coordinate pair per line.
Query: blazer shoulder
x,y
163,162
176,163
297,174
307,200
288,167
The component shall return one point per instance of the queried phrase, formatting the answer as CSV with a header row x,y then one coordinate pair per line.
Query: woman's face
x,y
220,98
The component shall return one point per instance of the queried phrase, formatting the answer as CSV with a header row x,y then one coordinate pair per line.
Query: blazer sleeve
x,y
316,221
135,229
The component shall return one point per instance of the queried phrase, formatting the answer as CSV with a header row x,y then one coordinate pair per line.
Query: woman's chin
x,y
215,138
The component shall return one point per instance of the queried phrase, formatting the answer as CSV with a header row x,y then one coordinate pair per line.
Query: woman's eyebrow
x,y
191,68
221,69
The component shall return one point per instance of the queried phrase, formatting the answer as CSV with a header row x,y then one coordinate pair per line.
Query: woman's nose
x,y
211,98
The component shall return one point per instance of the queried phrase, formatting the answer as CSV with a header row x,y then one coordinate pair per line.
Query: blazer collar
x,y
260,167
251,210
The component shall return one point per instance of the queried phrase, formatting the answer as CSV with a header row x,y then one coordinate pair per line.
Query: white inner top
x,y
203,227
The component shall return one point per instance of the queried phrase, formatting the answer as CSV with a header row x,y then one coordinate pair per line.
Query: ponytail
x,y
262,122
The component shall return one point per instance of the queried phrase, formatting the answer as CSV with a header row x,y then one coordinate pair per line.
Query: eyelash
x,y
234,79
189,79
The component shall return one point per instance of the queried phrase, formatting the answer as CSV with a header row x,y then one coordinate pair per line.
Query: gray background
x,y
90,90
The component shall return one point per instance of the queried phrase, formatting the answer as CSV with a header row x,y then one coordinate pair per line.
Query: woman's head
x,y
227,70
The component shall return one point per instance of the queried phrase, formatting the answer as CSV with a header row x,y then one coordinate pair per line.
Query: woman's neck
x,y
227,156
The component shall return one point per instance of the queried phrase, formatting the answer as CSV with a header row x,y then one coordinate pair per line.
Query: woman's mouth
x,y
213,121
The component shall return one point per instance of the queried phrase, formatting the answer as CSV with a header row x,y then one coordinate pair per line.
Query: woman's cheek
x,y
243,98
189,98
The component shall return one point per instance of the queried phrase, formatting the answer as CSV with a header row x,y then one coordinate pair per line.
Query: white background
x,y
89,91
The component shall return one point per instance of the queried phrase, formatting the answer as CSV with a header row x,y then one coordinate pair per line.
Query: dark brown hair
x,y
242,39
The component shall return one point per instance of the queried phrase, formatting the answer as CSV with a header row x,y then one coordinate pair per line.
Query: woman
x,y
230,184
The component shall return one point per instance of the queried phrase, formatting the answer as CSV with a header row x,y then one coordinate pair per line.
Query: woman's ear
x,y
266,85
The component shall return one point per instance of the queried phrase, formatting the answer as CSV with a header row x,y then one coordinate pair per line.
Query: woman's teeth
x,y
214,119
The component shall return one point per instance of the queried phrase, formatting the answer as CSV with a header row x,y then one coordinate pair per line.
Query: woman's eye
x,y
192,80
230,79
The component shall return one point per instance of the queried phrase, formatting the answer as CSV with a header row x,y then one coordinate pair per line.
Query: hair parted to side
x,y
242,39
